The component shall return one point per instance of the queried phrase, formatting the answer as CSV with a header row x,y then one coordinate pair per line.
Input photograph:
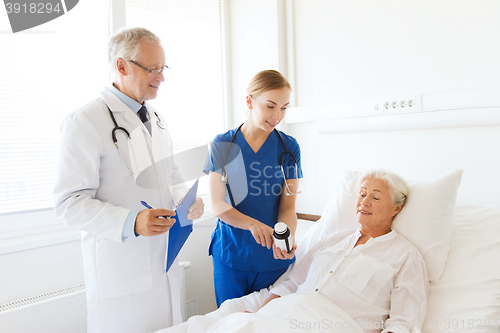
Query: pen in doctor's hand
x,y
153,222
145,204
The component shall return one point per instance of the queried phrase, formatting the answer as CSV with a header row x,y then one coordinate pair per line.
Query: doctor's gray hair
x,y
125,44
398,185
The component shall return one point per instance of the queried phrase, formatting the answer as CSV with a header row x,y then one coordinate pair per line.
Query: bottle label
x,y
284,241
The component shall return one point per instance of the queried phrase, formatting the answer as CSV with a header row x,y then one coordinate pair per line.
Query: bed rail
x,y
308,217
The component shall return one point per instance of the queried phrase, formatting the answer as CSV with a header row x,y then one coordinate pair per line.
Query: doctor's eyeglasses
x,y
152,72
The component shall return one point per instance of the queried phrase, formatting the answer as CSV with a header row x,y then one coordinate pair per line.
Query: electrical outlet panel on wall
x,y
399,105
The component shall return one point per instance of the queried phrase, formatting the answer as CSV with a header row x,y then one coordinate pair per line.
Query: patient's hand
x,y
282,254
270,298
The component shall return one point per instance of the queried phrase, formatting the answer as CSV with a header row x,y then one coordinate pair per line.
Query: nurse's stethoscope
x,y
223,178
124,130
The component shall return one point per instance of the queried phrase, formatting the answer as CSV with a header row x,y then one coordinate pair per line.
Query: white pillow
x,y
425,219
468,291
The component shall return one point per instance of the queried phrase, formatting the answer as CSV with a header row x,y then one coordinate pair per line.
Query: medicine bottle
x,y
283,237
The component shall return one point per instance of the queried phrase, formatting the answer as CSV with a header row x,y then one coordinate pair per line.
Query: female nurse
x,y
253,178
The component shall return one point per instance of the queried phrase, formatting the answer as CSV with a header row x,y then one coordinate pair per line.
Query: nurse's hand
x,y
262,233
150,222
196,210
282,254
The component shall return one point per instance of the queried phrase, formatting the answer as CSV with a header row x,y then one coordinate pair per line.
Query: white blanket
x,y
293,313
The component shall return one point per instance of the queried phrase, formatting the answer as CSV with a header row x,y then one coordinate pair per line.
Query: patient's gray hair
x,y
125,44
398,185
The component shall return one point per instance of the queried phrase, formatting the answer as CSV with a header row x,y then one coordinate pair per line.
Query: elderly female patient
x,y
373,274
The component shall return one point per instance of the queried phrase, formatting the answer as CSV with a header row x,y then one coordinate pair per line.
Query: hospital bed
x,y
460,244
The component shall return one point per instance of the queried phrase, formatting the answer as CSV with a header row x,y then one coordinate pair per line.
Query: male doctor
x,y
100,184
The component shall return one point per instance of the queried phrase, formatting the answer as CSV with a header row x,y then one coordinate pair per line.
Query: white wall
x,y
355,50
416,154
30,272
199,277
252,46
361,48
41,270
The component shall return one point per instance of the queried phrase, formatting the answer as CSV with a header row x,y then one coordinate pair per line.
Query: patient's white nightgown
x,y
385,277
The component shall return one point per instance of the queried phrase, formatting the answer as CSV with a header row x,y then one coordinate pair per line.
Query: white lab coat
x,y
127,287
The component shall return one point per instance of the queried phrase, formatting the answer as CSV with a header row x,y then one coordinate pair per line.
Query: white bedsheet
x,y
296,312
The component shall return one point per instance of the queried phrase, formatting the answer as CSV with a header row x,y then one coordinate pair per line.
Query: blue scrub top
x,y
255,181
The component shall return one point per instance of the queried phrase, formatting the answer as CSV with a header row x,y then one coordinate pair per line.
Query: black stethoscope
x,y
124,130
223,178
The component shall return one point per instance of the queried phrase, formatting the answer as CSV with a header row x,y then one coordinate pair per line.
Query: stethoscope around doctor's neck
x,y
124,130
223,178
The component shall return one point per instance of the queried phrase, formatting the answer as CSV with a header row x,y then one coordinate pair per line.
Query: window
x,y
51,70
191,98
45,73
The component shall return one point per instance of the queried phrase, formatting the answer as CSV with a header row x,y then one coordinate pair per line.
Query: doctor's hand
x,y
262,233
150,222
196,210
282,254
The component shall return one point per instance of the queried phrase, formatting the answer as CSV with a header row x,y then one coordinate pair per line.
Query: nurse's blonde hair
x,y
126,42
267,80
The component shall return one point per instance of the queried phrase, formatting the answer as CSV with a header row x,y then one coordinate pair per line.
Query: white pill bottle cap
x,y
280,227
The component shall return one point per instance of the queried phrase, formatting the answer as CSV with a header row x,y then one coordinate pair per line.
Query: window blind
x,y
52,70
191,98
45,73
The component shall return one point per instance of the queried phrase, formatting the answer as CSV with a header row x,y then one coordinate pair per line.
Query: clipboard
x,y
182,228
